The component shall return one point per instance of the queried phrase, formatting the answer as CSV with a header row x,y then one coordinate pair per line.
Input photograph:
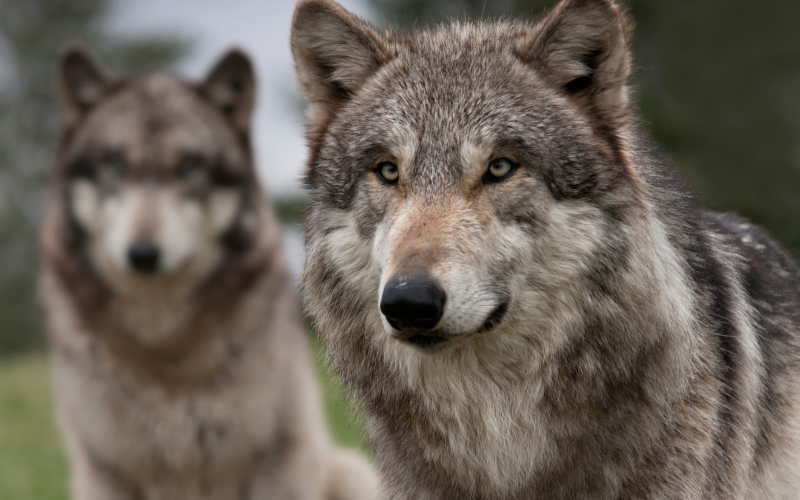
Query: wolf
x,y
514,284
181,366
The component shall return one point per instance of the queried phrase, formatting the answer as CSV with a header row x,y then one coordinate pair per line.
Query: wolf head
x,y
156,173
464,176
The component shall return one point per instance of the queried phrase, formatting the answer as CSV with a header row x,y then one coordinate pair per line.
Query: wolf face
x,y
461,174
156,172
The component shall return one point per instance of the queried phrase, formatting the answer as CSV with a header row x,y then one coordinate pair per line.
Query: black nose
x,y
413,303
144,257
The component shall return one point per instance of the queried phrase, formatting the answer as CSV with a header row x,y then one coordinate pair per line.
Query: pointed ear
x,y
81,84
334,54
231,87
582,47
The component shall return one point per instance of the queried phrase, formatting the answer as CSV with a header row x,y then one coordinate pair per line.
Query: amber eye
x,y
387,172
188,167
499,169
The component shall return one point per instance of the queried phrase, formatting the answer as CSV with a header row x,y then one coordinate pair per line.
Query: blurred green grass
x,y
32,464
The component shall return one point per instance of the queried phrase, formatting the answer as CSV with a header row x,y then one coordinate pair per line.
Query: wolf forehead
x,y
155,121
448,88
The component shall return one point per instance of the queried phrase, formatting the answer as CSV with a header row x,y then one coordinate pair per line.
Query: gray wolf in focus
x,y
512,282
181,366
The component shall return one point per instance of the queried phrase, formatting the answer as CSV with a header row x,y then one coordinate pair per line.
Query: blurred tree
x,y
718,84
32,32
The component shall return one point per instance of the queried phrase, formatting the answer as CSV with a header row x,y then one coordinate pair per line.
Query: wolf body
x,y
513,284
181,367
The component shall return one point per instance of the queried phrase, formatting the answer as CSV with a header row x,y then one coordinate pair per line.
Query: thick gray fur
x,y
606,336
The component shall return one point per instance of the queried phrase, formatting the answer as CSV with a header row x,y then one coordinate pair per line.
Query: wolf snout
x,y
144,257
413,303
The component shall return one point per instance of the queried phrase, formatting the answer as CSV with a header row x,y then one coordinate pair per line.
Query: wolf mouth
x,y
431,341
495,318
426,341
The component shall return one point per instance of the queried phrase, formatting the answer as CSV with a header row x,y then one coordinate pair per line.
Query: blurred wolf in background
x,y
181,366
514,285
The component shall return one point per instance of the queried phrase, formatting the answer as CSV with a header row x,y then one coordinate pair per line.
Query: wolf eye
x,y
499,169
387,172
116,166
188,167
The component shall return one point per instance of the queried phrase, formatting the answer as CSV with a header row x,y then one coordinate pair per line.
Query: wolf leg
x,y
296,475
91,481
350,477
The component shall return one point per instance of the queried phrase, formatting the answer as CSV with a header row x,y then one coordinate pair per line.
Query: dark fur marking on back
x,y
771,299
712,279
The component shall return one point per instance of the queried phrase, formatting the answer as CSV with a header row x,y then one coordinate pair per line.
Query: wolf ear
x,y
582,47
231,87
81,84
334,54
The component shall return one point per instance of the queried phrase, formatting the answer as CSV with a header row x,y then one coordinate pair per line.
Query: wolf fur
x,y
603,337
192,380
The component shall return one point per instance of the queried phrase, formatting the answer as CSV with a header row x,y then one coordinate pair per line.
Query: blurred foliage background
x,y
717,82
